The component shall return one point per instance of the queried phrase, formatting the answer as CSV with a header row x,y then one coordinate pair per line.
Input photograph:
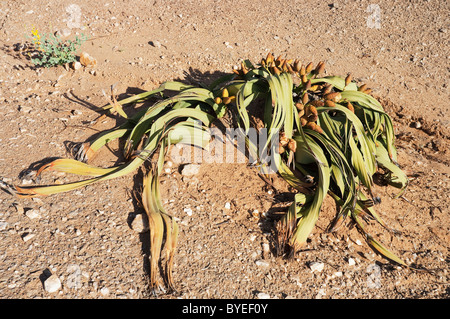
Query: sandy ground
x,y
84,237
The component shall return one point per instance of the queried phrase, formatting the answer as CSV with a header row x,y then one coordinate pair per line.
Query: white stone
x,y
190,169
227,205
263,295
52,284
27,237
262,263
32,214
169,164
104,291
156,43
188,211
139,223
351,262
316,266
76,65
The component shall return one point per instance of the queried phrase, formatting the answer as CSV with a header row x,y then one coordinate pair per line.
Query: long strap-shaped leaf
x,y
376,245
396,176
158,130
156,226
161,225
363,158
310,213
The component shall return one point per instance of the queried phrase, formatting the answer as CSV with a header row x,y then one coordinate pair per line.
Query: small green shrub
x,y
51,50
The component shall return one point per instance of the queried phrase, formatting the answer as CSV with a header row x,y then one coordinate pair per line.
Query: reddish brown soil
x,y
84,237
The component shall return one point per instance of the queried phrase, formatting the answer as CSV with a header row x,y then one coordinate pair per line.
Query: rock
x,y
155,43
104,291
169,164
27,236
262,263
52,284
351,262
33,214
75,65
188,211
63,33
227,205
139,223
87,60
190,169
263,295
316,266
25,109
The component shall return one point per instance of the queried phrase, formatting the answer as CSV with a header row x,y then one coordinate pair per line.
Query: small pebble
x,y
76,65
227,205
263,295
262,263
52,284
169,164
64,32
32,214
188,211
351,262
316,266
155,43
139,223
190,169
104,291
27,236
